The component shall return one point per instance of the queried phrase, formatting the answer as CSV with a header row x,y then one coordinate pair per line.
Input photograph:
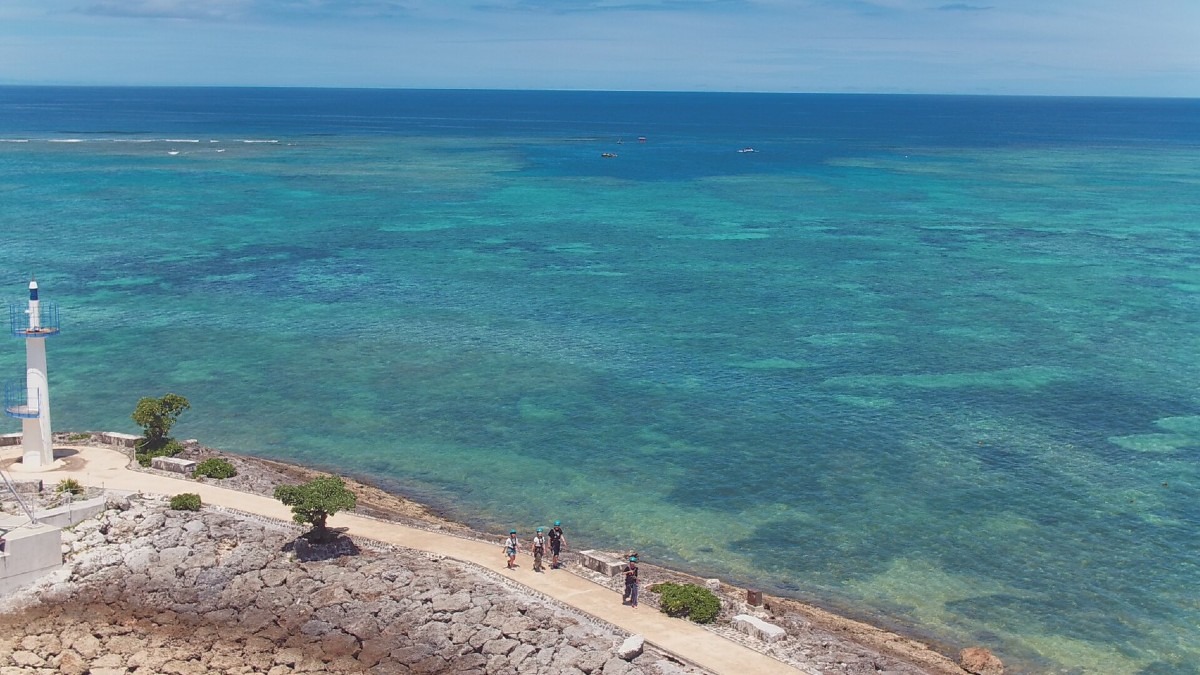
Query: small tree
x,y
156,416
316,500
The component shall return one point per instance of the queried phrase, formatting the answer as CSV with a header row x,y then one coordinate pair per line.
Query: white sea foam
x,y
181,140
14,140
250,140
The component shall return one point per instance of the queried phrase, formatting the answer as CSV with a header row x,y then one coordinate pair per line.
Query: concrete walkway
x,y
106,468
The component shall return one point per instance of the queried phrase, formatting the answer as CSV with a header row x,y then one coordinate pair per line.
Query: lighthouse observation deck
x,y
20,402
46,326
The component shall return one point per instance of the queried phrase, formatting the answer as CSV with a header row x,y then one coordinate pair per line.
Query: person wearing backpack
x,y
539,549
557,541
631,582
511,545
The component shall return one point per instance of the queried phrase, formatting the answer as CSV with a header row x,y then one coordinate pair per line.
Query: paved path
x,y
102,467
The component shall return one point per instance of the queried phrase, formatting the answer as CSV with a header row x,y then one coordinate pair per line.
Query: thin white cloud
x,y
237,10
208,10
582,6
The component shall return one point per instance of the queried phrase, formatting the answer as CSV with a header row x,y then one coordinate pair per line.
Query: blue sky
x,y
1068,47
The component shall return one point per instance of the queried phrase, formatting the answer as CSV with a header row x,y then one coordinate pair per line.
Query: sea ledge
x,y
98,575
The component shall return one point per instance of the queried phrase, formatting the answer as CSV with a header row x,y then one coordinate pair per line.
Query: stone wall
x,y
149,590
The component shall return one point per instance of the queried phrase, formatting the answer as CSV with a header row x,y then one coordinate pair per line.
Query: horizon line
x,y
17,85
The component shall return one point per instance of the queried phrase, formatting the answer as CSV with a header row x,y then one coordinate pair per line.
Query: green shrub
x,y
144,453
695,602
214,467
188,501
79,436
69,485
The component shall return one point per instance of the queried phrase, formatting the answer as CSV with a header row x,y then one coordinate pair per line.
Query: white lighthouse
x,y
30,400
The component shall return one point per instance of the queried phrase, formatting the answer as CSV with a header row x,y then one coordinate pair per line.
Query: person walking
x,y
511,546
557,541
631,582
539,549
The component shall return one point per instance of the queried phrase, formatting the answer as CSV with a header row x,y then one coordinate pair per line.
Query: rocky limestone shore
x,y
151,590
816,640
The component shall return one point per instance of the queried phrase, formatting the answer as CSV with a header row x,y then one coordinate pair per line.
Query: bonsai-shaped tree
x,y
316,500
156,416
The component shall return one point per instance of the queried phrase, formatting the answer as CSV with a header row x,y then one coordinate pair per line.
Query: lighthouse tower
x,y
30,400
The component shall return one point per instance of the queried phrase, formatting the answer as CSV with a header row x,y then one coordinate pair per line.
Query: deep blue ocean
x,y
930,361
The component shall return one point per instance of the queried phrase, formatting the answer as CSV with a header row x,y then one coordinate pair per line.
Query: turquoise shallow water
x,y
945,384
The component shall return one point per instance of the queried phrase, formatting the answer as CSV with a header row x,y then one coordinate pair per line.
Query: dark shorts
x,y
555,546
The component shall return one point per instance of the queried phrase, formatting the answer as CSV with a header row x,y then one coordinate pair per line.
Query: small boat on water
x,y
747,150
608,155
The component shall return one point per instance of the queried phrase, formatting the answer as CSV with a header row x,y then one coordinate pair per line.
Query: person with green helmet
x,y
557,541
631,582
511,545
539,548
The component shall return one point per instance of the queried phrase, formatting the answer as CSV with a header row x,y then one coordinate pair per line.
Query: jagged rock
x,y
502,646
592,662
980,661
631,648
27,658
71,663
516,625
458,602
616,666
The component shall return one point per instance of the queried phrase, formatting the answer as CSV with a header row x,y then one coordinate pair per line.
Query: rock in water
x,y
980,661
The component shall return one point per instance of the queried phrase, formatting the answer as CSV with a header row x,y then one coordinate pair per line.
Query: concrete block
x,y
756,627
173,464
754,598
118,439
602,562
30,551
10,439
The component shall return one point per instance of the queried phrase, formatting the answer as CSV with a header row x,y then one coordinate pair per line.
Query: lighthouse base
x,y
20,466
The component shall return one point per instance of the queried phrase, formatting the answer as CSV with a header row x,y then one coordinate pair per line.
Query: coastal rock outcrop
x,y
980,661
150,590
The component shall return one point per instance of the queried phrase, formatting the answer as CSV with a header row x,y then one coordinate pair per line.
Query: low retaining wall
x,y
73,513
118,439
173,464
30,551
